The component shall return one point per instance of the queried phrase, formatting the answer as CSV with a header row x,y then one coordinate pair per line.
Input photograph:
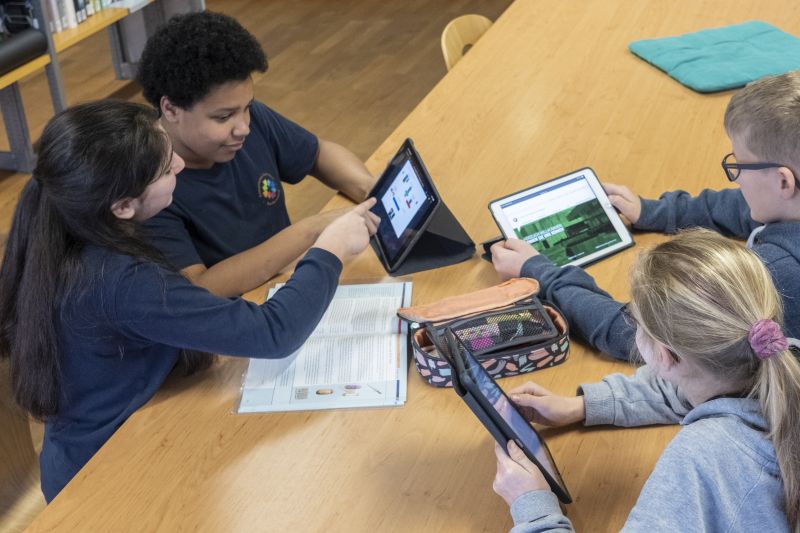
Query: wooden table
x,y
550,88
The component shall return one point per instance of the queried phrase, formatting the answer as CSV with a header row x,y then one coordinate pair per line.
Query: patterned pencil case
x,y
508,329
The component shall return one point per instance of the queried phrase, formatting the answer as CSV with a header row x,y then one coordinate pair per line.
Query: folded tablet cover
x,y
444,242
723,58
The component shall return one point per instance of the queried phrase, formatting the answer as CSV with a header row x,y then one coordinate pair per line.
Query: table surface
x,y
550,88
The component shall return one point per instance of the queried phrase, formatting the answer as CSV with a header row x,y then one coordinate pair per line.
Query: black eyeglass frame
x,y
729,168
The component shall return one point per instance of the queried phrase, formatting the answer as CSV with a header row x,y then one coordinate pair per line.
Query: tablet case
x,y
462,383
444,242
441,242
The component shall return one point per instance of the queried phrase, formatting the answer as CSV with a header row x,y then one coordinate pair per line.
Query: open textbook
x,y
356,357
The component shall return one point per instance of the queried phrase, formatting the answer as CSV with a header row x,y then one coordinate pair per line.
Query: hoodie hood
x,y
741,421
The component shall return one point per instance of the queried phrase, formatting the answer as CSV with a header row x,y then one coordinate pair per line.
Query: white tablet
x,y
569,219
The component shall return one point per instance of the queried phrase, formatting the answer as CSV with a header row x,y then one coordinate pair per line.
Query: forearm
x,y
249,269
629,401
592,313
340,169
161,306
724,211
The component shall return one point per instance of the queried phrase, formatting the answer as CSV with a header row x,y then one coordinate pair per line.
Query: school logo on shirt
x,y
269,188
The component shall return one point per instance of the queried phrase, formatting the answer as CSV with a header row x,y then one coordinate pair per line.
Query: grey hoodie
x,y
719,473
595,316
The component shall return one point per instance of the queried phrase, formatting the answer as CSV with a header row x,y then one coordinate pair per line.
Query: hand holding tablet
x,y
625,201
497,412
569,219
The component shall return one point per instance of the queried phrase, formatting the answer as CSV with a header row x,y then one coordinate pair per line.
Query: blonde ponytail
x,y
778,391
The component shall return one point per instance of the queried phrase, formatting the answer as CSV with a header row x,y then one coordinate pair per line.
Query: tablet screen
x,y
569,220
495,397
405,201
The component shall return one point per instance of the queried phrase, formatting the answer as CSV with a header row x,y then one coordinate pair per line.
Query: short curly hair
x,y
193,53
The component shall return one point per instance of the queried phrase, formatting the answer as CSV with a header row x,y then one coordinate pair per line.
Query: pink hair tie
x,y
766,339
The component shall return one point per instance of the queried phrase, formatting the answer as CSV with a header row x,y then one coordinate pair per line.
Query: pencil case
x,y
506,327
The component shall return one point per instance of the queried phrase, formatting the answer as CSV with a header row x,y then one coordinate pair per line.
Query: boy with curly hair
x,y
228,229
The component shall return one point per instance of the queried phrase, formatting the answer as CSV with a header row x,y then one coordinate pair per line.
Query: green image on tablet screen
x,y
564,222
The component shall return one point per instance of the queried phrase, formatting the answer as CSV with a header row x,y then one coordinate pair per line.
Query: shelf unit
x,y
127,31
99,21
20,157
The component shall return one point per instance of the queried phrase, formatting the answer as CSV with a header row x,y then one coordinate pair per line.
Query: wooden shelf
x,y
20,72
21,156
99,21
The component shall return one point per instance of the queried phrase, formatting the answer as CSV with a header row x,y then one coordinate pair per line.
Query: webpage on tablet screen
x,y
564,222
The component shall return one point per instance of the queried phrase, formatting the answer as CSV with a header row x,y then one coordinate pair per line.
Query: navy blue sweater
x,y
595,316
120,336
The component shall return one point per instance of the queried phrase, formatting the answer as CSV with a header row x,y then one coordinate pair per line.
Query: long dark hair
x,y
89,157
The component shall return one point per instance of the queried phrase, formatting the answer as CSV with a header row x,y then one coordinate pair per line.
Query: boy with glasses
x,y
763,123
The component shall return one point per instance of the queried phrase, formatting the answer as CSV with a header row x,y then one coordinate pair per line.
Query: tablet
x,y
499,415
407,200
569,219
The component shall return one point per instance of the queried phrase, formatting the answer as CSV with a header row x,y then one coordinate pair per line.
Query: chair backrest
x,y
20,496
460,34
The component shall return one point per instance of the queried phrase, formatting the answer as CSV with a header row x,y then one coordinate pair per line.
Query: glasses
x,y
733,169
627,314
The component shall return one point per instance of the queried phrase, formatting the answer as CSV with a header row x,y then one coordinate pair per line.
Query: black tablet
x,y
569,219
498,414
407,201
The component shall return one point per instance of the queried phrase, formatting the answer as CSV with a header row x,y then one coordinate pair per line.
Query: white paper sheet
x,y
356,357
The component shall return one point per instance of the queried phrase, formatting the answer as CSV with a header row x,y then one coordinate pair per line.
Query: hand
x,y
508,257
348,235
541,406
320,221
516,474
626,202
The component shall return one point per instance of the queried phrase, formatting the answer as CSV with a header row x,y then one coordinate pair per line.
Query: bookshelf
x,y
97,22
20,157
128,25
20,72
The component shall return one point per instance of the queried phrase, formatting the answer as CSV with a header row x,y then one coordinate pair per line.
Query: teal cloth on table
x,y
723,58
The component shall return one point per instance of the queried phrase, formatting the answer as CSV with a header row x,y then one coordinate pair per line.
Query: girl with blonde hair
x,y
709,327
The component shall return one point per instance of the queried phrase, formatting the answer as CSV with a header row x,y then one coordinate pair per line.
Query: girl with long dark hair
x,y
92,319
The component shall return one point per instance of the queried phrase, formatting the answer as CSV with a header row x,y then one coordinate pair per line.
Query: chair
x,y
460,35
20,496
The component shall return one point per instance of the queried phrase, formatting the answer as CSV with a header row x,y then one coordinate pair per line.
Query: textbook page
x,y
356,357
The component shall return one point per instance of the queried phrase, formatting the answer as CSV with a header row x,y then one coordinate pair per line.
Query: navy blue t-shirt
x,y
231,207
119,338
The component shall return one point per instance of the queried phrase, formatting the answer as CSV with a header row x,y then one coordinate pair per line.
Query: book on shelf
x,y
66,14
68,7
131,5
52,15
356,357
